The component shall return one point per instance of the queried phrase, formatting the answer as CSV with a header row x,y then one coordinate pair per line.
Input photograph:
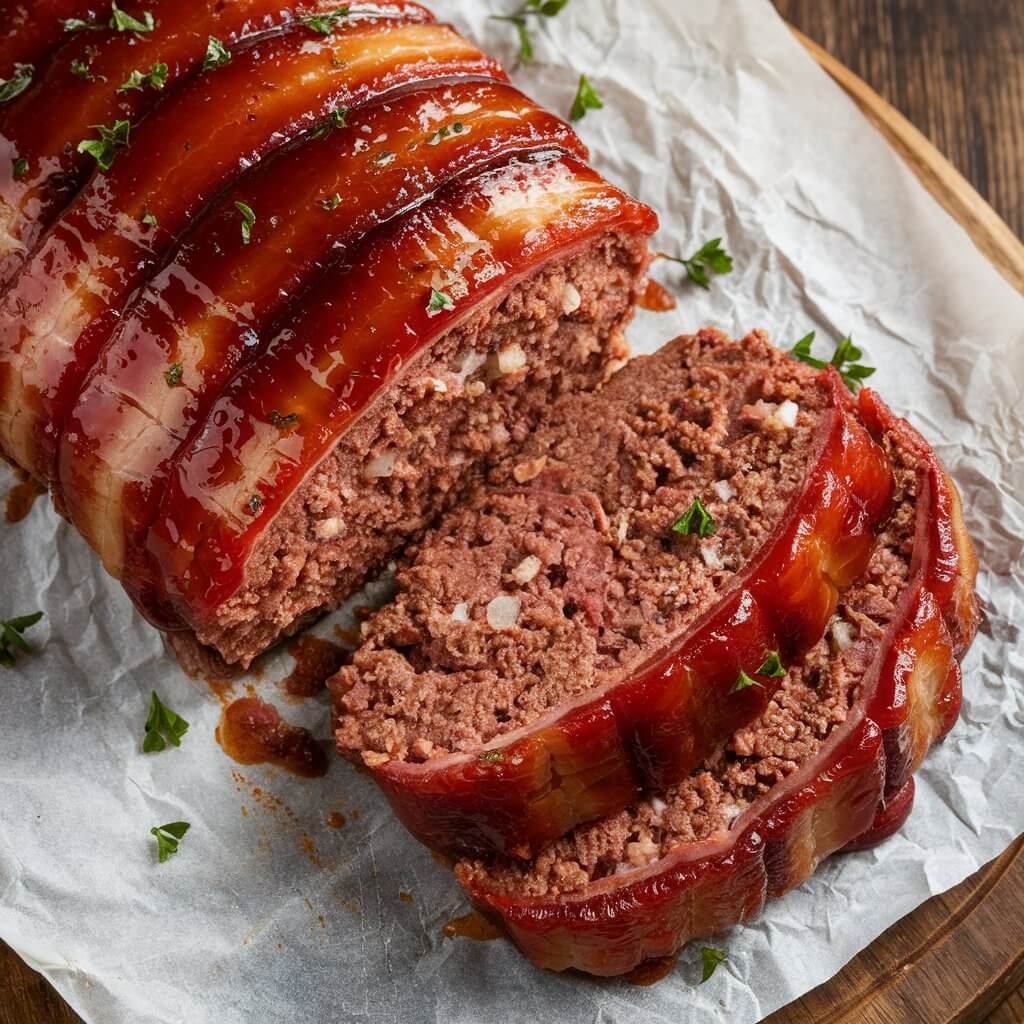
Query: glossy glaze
x,y
82,81
839,798
63,305
353,335
204,312
651,728
31,28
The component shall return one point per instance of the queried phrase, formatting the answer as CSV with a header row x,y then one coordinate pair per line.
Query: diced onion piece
x,y
643,851
531,468
843,633
571,298
327,529
526,569
503,612
724,490
658,805
511,359
787,413
460,613
380,466
711,557
469,362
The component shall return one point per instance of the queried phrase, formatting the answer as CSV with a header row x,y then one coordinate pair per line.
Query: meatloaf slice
x,y
574,633
840,739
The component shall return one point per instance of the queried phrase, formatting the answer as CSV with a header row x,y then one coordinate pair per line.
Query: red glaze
x,y
203,311
653,727
62,307
29,129
889,819
826,805
31,28
332,357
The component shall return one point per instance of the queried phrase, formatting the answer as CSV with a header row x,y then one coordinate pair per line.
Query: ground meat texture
x,y
478,392
564,570
814,699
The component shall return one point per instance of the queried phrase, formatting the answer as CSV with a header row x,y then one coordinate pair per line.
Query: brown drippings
x,y
651,971
441,859
471,926
405,897
335,820
308,847
316,661
349,637
252,732
21,497
204,665
657,298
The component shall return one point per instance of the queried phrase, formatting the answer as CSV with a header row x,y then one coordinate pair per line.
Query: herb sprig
x,y
586,99
696,520
17,83
155,79
338,119
844,359
710,959
216,54
119,21
532,8
168,837
163,726
710,256
12,637
104,150
325,24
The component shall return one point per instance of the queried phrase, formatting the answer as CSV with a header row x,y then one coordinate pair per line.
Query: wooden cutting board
x,y
958,957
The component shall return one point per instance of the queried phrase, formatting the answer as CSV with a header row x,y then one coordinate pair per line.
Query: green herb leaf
x,y
586,99
284,422
331,202
338,119
844,359
17,83
121,22
12,636
162,723
173,375
157,79
83,68
20,168
216,54
446,132
696,520
80,24
439,302
248,220
491,756
168,837
710,256
743,682
104,149
325,24
771,667
149,219
711,958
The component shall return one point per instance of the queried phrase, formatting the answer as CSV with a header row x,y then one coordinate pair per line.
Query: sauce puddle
x,y
335,820
252,732
471,926
657,298
316,661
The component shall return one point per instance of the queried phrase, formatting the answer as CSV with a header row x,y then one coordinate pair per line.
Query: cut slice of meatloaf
x,y
828,763
618,599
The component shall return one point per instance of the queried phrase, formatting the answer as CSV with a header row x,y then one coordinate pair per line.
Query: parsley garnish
x,y
439,302
332,202
844,359
284,422
20,168
772,666
17,83
149,219
743,682
173,375
696,520
167,838
538,8
12,636
338,119
248,220
216,54
104,149
710,256
255,503
122,22
446,131
157,78
83,68
491,756
160,723
325,24
711,958
586,99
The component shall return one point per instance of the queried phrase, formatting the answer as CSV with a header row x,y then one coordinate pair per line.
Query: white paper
x,y
716,117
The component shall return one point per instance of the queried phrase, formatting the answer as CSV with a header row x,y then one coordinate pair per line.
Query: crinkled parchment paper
x,y
716,117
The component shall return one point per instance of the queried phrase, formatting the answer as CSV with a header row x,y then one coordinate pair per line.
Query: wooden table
x,y
955,68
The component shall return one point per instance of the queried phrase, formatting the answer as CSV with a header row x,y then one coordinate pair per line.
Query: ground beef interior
x,y
479,391
814,699
565,569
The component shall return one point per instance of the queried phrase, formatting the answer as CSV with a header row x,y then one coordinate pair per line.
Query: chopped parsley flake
x,y
710,958
331,202
338,119
710,256
771,667
743,682
586,99
163,726
844,359
325,24
12,637
284,422
695,520
104,149
149,219
121,22
216,54
20,168
173,375
17,83
255,504
157,79
491,757
439,302
168,837
446,132
248,220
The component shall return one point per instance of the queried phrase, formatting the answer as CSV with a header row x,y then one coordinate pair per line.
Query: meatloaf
x,y
282,312
828,763
622,595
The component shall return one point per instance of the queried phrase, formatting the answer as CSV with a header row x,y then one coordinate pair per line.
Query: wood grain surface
x,y
956,69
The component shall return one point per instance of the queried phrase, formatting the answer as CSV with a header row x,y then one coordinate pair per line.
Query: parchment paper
x,y
718,119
